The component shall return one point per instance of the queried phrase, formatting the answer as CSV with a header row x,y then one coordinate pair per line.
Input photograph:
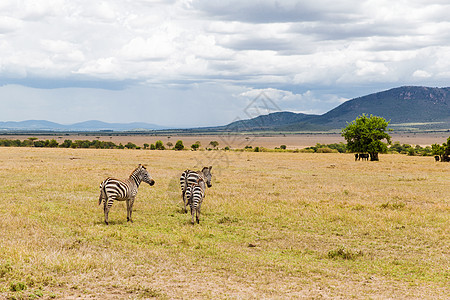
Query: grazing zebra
x,y
123,190
195,194
189,177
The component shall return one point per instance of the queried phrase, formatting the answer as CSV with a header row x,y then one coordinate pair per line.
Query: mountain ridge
x,y
91,125
406,107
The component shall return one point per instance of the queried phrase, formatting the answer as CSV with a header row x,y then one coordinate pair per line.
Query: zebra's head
x,y
145,176
207,175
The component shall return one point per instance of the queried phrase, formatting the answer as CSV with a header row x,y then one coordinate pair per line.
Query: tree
x,y
130,145
214,144
53,143
179,145
442,150
146,146
159,145
365,134
195,146
169,144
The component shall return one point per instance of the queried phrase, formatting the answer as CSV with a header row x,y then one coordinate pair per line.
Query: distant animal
x,y
123,190
364,156
436,158
195,194
189,177
356,157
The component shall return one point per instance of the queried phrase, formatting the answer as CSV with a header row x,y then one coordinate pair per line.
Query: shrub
x,y
159,145
326,150
179,145
343,253
130,145
195,146
17,286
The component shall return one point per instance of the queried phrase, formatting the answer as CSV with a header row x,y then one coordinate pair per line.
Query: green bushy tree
x,y
365,134
179,145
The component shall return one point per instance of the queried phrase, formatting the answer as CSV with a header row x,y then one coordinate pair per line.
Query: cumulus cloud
x,y
313,52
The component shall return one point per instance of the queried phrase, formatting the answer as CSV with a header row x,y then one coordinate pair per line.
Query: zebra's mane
x,y
138,170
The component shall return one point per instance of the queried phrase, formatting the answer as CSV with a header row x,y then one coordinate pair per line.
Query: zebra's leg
x,y
107,206
183,195
130,209
197,215
192,214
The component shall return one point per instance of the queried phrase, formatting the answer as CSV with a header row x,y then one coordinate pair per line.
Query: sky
x,y
189,63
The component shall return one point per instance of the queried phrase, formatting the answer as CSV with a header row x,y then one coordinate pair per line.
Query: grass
x,y
273,225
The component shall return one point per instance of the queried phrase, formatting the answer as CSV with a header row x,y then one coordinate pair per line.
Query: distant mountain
x,y
42,125
408,104
408,107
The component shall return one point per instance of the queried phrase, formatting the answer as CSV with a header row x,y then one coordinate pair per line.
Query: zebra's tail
x,y
102,192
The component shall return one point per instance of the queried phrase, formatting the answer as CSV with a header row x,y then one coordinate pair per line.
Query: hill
x,y
408,107
42,125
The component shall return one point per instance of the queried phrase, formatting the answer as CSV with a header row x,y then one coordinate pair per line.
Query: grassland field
x,y
273,226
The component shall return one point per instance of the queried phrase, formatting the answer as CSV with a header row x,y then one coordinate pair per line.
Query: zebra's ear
x,y
210,167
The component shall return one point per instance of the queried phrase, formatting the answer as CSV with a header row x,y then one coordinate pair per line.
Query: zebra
x,y
189,177
195,194
123,190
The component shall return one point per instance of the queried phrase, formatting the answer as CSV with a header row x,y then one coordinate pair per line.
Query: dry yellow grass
x,y
274,225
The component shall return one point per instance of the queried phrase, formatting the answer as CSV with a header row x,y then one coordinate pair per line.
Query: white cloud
x,y
421,74
333,49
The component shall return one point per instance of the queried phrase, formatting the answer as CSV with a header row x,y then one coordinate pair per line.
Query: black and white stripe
x,y
195,194
123,190
189,177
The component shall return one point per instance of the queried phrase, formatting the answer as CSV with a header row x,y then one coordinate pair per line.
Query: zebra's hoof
x,y
106,223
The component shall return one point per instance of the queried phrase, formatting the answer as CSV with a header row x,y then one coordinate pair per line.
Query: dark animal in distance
x,y
436,158
123,190
363,156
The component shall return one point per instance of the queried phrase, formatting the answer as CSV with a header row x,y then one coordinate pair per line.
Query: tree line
x,y
341,147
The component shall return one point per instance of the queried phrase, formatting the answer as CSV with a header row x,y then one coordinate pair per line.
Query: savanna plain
x,y
274,225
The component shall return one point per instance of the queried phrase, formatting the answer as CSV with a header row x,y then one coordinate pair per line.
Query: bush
x,y
179,145
343,253
283,147
326,150
195,146
159,145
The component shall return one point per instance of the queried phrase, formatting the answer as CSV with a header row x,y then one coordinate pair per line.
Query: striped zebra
x,y
195,194
189,177
123,190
